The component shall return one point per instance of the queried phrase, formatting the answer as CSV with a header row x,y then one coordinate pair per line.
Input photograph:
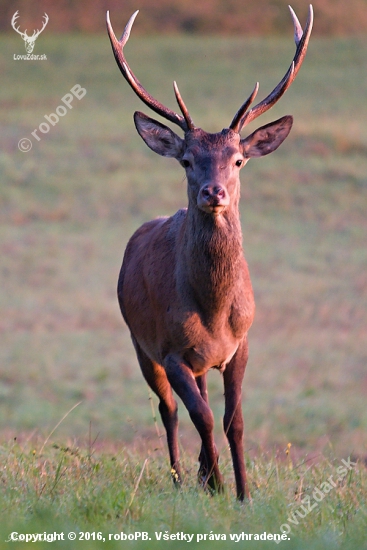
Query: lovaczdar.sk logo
x,y
29,41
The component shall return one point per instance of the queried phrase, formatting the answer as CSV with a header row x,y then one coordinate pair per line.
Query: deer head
x,y
28,40
212,161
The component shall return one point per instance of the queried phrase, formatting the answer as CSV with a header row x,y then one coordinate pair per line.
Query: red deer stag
x,y
184,287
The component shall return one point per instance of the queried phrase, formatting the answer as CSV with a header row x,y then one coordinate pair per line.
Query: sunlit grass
x,y
118,490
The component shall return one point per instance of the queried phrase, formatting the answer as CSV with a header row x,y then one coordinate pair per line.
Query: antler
x,y
184,122
301,38
37,33
13,21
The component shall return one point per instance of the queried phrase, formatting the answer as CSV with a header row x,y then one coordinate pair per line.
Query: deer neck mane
x,y
212,256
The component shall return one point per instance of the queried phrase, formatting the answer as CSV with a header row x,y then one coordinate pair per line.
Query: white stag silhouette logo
x,y
29,41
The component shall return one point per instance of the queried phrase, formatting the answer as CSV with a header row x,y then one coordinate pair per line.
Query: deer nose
x,y
213,192
212,198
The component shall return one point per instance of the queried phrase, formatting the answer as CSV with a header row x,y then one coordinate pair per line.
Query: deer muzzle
x,y
213,199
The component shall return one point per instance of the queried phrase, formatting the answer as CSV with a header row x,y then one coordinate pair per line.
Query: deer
x,y
184,287
29,41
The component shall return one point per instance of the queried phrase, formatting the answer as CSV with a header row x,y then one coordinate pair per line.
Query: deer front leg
x,y
204,469
233,420
182,380
156,377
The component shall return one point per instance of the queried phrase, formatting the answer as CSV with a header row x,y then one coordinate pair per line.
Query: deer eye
x,y
239,162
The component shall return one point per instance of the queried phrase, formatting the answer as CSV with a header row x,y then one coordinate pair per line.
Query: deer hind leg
x,y
233,419
204,474
156,377
183,382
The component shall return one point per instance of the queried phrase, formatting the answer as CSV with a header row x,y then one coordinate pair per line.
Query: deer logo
x,y
29,41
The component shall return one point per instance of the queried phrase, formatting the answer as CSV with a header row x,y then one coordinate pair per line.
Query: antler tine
x,y
301,42
236,122
301,39
298,31
184,122
183,107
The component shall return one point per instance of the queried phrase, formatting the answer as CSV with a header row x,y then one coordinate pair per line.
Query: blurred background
x,y
335,17
84,181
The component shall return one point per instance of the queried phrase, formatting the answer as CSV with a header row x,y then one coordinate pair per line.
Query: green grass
x,y
68,489
68,208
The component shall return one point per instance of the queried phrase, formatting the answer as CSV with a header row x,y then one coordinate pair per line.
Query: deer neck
x,y
212,257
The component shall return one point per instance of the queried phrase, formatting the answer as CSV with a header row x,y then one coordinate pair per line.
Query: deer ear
x,y
267,139
158,137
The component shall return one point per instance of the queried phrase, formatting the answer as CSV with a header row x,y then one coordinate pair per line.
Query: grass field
x,y
68,207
